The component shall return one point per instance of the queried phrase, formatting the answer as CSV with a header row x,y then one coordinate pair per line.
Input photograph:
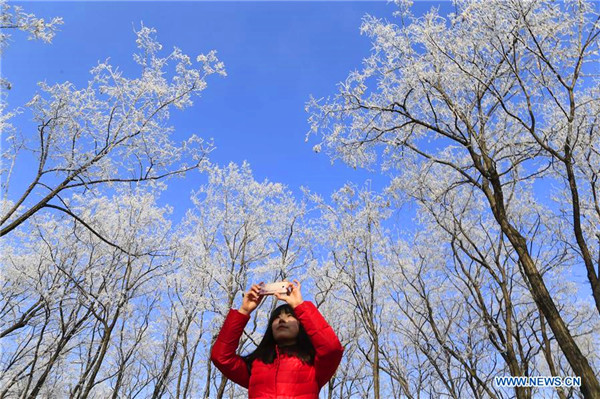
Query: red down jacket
x,y
287,377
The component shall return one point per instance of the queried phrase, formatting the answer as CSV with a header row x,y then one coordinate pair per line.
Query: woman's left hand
x,y
294,297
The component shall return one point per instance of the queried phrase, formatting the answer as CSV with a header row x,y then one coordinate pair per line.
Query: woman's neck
x,y
283,344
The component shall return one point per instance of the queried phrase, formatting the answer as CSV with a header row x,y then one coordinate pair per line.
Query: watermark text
x,y
537,382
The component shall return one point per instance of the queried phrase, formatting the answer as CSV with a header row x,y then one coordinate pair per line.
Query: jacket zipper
x,y
276,371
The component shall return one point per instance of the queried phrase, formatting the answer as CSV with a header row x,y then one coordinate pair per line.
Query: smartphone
x,y
280,287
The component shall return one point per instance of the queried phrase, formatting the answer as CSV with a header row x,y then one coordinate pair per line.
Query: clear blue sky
x,y
276,55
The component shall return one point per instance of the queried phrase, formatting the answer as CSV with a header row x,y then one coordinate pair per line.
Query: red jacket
x,y
287,377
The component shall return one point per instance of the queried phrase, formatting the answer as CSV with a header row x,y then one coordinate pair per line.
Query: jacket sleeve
x,y
223,353
328,350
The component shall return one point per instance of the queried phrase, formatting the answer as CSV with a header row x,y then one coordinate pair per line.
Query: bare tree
x,y
97,301
489,98
114,131
356,242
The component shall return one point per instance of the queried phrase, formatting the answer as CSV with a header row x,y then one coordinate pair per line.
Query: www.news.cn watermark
x,y
537,382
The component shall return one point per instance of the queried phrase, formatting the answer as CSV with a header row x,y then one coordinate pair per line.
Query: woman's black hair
x,y
265,351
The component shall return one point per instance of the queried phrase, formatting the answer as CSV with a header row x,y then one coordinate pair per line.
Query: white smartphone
x,y
280,287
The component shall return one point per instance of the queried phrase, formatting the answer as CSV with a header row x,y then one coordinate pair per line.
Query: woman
x,y
298,354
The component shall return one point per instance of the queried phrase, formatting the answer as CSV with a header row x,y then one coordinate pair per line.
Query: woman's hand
x,y
294,297
251,300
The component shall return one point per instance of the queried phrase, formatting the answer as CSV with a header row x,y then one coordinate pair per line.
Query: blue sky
x,y
276,55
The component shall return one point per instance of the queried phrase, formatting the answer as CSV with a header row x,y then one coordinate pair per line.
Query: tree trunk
x,y
375,365
221,389
208,375
590,387
578,231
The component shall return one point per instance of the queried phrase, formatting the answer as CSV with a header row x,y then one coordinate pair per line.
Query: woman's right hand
x,y
251,300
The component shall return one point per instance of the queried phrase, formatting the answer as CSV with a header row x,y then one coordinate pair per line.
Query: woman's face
x,y
285,329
